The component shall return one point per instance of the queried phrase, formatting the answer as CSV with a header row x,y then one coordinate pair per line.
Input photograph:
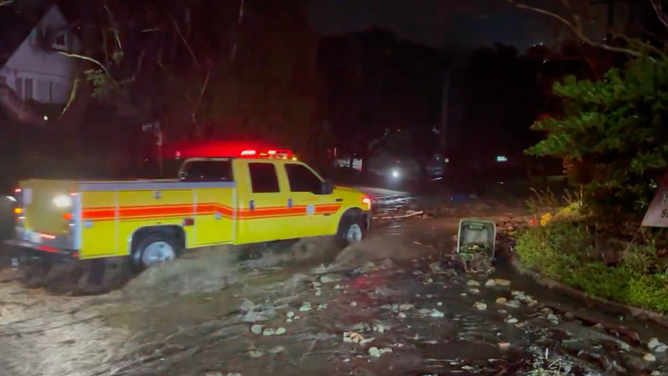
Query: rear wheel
x,y
155,249
352,230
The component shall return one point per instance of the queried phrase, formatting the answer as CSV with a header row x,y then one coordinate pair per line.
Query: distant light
x,y
46,118
501,158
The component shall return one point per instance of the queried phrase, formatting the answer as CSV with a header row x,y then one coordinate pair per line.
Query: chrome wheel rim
x,y
354,234
157,253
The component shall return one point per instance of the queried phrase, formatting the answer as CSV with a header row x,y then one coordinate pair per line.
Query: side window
x,y
302,179
263,178
207,171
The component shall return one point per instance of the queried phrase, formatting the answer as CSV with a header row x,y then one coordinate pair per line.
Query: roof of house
x,y
15,26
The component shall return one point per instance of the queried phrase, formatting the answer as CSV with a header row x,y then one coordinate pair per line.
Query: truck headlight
x,y
62,201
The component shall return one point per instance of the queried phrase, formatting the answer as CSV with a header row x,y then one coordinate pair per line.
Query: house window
x,y
43,91
29,87
60,41
19,87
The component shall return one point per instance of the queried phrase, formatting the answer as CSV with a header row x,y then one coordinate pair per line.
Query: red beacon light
x,y
248,152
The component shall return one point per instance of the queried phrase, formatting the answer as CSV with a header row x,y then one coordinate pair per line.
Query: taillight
x,y
18,210
367,201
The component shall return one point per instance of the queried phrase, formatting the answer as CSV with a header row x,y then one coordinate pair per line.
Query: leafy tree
x,y
614,130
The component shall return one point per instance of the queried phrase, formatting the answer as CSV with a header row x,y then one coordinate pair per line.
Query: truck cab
x,y
235,198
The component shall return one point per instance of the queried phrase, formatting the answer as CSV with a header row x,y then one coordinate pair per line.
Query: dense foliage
x,y
613,131
570,252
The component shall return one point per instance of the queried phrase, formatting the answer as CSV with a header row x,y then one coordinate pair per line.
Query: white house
x,y
32,64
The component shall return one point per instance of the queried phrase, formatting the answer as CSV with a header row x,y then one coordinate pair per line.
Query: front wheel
x,y
352,230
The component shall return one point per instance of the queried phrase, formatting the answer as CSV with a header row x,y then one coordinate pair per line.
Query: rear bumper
x,y
23,252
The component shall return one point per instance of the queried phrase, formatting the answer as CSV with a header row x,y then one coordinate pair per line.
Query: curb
x,y
636,312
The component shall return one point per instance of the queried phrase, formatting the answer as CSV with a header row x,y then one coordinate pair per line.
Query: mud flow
x,y
399,303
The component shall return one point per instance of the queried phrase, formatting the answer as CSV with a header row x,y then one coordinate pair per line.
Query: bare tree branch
x,y
577,30
178,30
658,9
83,57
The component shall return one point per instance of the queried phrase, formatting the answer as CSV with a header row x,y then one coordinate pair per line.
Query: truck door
x,y
263,213
306,193
213,200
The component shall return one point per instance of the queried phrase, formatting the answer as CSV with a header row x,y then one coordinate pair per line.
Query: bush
x,y
612,132
567,250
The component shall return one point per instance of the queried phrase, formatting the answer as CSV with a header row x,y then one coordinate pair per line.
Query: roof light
x,y
248,152
272,152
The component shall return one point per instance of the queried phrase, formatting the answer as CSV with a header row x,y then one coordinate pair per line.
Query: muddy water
x,y
426,313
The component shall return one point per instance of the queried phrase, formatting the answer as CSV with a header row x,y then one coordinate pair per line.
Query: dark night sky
x,y
461,24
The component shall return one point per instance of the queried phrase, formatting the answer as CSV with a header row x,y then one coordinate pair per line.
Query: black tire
x,y
145,241
350,222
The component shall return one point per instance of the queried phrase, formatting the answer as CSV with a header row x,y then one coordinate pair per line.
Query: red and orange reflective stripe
x,y
184,210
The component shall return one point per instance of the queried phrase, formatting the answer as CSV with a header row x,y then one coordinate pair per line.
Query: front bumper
x,y
367,219
23,252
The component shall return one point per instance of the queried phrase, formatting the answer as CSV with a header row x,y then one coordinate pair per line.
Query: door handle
x,y
289,203
251,204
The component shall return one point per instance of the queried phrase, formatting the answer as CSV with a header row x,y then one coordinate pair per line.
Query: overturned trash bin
x,y
476,236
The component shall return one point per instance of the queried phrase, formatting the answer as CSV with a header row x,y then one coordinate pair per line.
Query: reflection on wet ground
x,y
395,305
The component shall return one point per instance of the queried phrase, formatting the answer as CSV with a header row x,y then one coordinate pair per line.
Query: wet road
x,y
396,304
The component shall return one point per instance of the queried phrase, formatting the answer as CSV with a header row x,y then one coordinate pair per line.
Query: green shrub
x,y
565,250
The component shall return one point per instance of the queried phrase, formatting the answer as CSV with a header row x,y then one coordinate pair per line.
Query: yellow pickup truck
x,y
239,199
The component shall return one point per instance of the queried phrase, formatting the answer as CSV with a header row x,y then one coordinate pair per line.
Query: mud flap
x,y
103,275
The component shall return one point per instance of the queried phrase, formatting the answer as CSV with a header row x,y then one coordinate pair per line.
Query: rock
x,y
374,352
436,313
277,350
322,306
316,284
504,345
246,306
255,353
353,304
512,320
280,331
649,357
213,374
474,291
653,343
502,282
268,332
513,303
256,329
552,317
329,279
480,306
568,316
490,283
501,301
473,283
402,315
290,315
661,348
305,307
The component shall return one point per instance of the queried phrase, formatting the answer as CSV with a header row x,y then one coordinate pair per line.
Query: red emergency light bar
x,y
227,149
271,153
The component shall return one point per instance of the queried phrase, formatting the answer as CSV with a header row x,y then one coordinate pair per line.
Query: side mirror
x,y
182,175
327,187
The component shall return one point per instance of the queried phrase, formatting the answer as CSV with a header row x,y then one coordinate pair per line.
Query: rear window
x,y
263,178
207,171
